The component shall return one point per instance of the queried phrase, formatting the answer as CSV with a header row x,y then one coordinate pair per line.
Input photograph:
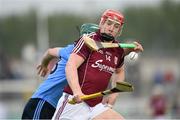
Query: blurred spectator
x,y
158,77
169,84
169,76
158,103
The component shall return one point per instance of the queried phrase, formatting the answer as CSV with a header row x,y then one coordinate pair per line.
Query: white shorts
x,y
81,111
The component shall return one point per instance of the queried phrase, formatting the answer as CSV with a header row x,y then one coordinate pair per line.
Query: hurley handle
x,y
126,45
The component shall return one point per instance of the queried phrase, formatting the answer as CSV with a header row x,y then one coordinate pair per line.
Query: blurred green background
x,y
28,28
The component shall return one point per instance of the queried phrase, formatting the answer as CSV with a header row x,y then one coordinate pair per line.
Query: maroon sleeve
x,y
121,60
81,49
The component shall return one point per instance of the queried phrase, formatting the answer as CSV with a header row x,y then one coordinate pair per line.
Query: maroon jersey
x,y
96,71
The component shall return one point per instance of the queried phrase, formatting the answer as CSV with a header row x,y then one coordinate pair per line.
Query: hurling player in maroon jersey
x,y
90,71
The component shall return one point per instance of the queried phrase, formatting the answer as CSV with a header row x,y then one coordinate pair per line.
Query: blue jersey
x,y
51,89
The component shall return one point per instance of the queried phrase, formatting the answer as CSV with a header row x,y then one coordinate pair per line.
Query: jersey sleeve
x,y
121,59
66,51
81,49
121,62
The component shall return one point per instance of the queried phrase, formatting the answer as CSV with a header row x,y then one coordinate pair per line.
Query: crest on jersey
x,y
100,51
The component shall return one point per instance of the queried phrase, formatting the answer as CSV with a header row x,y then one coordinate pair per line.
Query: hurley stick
x,y
120,87
95,45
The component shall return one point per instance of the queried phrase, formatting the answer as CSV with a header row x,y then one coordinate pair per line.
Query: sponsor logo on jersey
x,y
103,67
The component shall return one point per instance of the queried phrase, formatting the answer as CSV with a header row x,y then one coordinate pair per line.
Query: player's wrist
x,y
77,92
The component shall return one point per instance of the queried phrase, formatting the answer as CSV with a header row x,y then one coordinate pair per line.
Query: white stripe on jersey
x,y
80,43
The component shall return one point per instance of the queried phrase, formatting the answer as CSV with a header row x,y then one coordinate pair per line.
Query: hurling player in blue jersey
x,y
43,102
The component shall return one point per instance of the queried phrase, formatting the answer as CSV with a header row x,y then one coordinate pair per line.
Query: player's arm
x,y
72,75
118,76
138,48
49,59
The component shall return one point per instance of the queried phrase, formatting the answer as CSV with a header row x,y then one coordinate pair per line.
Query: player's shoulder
x,y
95,36
91,35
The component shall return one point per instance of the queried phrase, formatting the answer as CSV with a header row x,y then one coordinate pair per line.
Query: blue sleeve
x,y
66,51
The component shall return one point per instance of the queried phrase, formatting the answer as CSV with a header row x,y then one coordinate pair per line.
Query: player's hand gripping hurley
x,y
95,45
120,87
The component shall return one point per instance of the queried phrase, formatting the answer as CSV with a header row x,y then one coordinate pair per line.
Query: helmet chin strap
x,y
107,37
